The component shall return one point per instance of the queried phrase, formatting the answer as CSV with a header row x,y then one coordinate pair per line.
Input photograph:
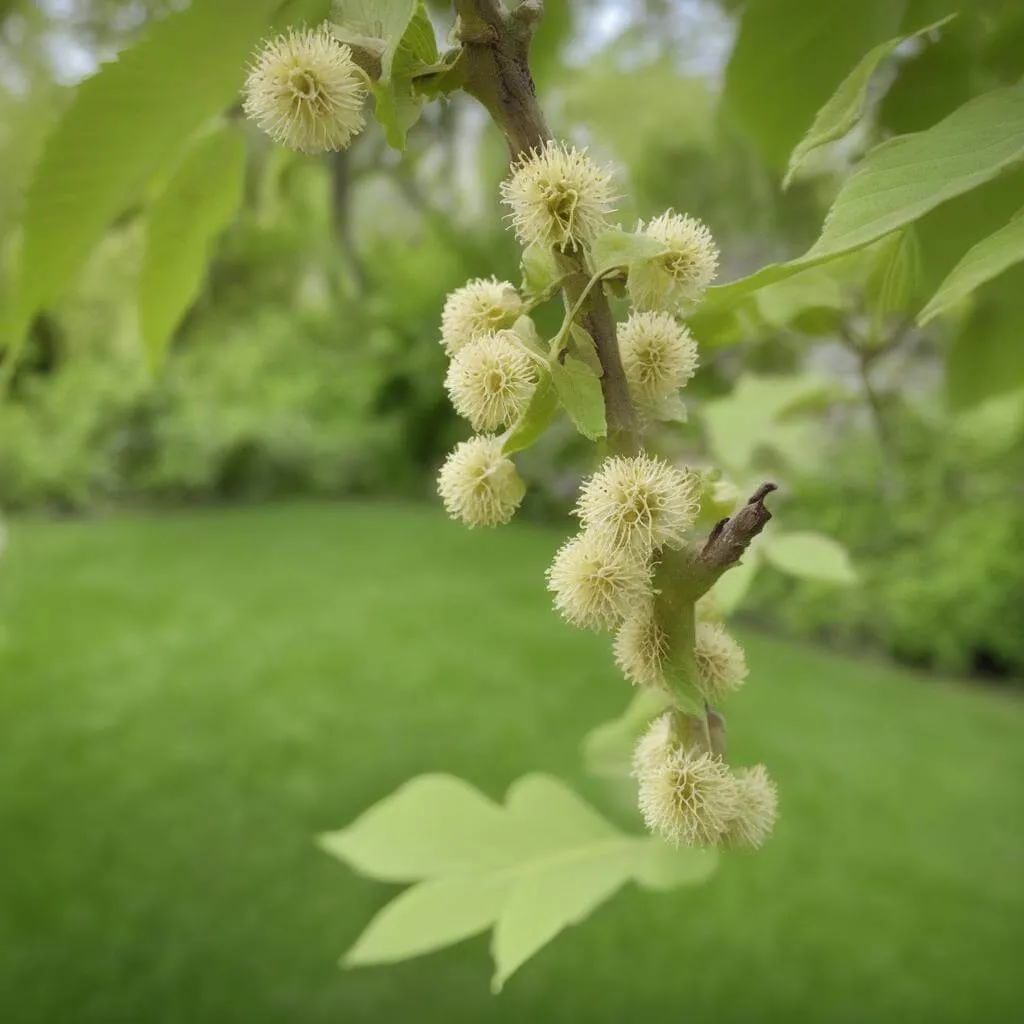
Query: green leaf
x,y
812,291
618,248
539,414
581,346
734,584
791,55
198,202
987,357
540,273
666,867
608,748
983,262
544,903
123,123
754,415
844,107
903,179
375,25
544,861
429,916
579,390
446,77
893,280
402,35
811,556
396,109
432,824
578,861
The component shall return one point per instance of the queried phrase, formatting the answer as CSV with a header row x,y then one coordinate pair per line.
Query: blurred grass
x,y
186,700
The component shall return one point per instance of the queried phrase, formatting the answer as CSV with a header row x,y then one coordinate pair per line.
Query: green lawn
x,y
186,700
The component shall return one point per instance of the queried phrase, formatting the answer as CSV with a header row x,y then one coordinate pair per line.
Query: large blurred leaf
x,y
985,261
389,841
734,585
892,282
134,114
608,747
903,179
987,356
846,104
789,58
197,204
753,416
810,556
544,861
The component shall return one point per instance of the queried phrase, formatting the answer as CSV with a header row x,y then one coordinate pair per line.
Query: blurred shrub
x,y
282,381
938,537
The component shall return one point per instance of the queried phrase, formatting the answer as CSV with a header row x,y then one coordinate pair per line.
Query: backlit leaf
x,y
845,106
123,123
983,262
542,862
789,58
903,179
811,556
198,202
432,824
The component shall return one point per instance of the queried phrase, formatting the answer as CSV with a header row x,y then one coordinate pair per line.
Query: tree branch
x,y
497,47
731,537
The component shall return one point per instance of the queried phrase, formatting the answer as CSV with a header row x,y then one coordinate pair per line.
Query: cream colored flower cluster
x,y
634,507
559,198
629,509
305,91
692,798
491,378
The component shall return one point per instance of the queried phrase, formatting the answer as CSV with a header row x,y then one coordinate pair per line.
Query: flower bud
x,y
639,502
641,647
478,307
480,485
688,797
558,197
490,381
305,91
596,586
659,355
678,278
721,664
756,808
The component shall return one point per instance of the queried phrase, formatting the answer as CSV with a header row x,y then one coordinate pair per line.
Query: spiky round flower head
x,y
659,354
679,277
558,197
305,91
641,647
756,807
596,586
479,306
639,502
688,797
721,664
480,485
490,381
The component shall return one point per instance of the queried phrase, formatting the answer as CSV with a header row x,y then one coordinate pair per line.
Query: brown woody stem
x,y
727,542
497,50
